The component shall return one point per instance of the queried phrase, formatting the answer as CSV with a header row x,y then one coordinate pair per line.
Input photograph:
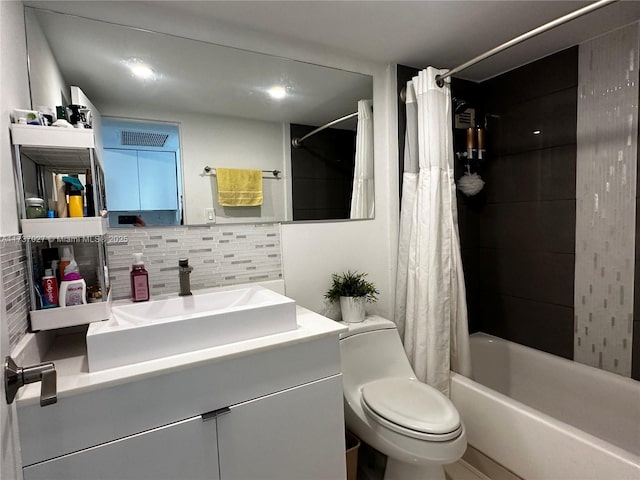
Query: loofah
x,y
470,184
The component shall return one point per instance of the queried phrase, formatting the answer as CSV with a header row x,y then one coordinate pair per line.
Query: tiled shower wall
x,y
219,255
322,174
14,285
518,234
605,199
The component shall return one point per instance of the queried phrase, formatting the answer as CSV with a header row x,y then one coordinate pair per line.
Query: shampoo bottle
x,y
73,289
139,280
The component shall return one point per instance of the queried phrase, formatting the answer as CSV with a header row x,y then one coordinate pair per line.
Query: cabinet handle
x,y
16,377
215,413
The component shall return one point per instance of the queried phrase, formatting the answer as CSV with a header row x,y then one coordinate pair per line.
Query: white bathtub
x,y
545,417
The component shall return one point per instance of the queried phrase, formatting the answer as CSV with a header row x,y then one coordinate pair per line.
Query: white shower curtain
x,y
431,309
409,185
362,205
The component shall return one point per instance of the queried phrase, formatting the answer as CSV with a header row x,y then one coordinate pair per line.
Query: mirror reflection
x,y
216,108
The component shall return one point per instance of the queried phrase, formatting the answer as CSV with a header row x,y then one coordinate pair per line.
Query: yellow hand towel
x,y
239,187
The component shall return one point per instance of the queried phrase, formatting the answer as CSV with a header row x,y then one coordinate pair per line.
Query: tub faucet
x,y
184,270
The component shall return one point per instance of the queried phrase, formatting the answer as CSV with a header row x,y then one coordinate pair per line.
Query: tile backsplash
x,y
14,285
219,254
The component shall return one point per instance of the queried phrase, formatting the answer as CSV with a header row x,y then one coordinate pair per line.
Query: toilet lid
x,y
412,404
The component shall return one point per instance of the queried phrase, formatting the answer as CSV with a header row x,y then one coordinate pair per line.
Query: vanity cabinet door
x,y
296,434
121,179
185,450
161,192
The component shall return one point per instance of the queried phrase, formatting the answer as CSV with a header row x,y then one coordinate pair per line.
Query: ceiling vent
x,y
143,139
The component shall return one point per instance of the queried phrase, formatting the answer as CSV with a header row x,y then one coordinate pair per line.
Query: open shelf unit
x,y
63,151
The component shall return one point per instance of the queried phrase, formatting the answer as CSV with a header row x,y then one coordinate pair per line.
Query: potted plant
x,y
353,291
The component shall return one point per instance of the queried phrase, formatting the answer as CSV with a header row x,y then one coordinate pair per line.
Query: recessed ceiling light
x,y
277,92
140,69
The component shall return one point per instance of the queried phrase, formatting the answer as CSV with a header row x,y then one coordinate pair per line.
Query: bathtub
x,y
545,417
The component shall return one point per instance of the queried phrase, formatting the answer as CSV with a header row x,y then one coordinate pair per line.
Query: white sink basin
x,y
136,332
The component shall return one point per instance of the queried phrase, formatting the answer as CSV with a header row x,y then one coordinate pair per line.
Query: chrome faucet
x,y
16,377
183,271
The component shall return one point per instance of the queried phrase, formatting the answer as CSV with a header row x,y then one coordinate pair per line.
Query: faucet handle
x,y
15,377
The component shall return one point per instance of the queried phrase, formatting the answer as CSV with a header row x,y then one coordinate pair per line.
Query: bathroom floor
x,y
461,470
371,466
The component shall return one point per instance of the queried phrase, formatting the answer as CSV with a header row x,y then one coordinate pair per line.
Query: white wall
x,y
220,141
15,94
313,251
78,97
310,251
48,87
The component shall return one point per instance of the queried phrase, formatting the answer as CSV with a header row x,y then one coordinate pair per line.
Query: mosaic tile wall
x,y
219,254
605,204
14,285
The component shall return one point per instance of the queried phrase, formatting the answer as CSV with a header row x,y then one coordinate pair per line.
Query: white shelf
x,y
52,137
60,150
43,228
59,160
60,317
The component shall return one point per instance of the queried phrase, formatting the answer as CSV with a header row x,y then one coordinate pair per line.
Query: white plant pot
x,y
352,309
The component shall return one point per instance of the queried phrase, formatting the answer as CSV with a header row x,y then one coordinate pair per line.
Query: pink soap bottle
x,y
139,280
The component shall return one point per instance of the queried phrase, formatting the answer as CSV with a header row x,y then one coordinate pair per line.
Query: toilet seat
x,y
411,408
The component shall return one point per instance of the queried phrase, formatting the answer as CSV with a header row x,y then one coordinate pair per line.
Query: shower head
x,y
459,105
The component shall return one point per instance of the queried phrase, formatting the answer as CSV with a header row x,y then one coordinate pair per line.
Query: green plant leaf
x,y
351,284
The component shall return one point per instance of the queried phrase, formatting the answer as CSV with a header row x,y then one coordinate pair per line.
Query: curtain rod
x,y
297,142
519,39
525,36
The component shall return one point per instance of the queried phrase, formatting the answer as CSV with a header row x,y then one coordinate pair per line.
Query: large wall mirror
x,y
218,107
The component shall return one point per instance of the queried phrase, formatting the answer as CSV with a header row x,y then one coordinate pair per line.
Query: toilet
x,y
415,425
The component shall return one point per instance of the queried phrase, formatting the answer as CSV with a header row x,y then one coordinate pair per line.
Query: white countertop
x,y
69,354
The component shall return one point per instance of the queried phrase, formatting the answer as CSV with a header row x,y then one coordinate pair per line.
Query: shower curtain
x,y
362,205
431,309
409,185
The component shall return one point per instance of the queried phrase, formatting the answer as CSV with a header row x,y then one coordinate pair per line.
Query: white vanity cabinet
x,y
294,435
270,413
185,450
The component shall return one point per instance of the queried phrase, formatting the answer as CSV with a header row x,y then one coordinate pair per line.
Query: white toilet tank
x,y
372,350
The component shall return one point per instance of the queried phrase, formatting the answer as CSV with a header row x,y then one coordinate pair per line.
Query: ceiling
x,y
414,33
418,33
